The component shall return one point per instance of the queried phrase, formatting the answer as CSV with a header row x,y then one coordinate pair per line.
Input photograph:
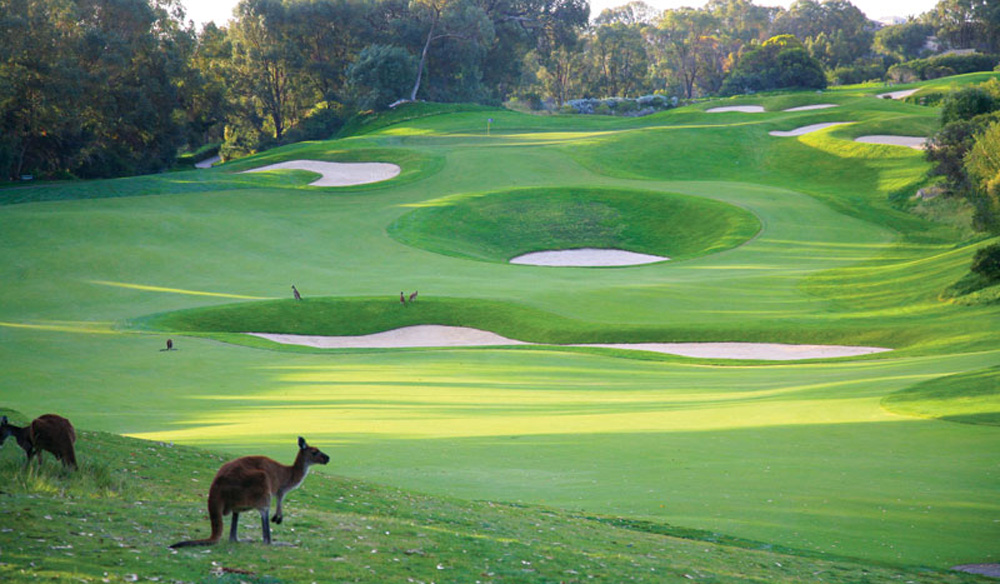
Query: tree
x,y
968,103
967,24
834,31
263,64
781,62
983,167
688,49
381,75
618,55
460,20
904,41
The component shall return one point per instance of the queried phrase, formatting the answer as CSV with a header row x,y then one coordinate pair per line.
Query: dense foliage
x,y
98,88
966,150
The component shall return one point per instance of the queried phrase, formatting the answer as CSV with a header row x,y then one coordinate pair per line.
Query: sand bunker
x,y
338,174
806,129
915,142
586,257
803,108
747,109
430,335
898,94
451,336
761,351
208,162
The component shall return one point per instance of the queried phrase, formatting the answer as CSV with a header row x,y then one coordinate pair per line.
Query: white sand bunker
x,y
451,336
747,109
338,174
807,129
586,257
430,335
901,94
915,142
759,351
803,108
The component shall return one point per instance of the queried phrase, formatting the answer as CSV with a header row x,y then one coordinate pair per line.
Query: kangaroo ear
x,y
302,443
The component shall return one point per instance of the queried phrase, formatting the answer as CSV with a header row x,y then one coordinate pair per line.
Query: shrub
x,y
968,103
986,262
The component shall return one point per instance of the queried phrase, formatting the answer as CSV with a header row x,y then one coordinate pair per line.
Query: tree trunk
x,y
423,58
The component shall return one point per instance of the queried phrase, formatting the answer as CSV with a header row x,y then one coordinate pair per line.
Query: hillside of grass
x,y
113,519
501,226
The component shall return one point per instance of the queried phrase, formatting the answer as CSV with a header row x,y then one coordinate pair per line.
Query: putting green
x,y
802,454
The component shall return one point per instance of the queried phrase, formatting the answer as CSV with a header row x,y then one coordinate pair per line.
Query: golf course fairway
x,y
797,240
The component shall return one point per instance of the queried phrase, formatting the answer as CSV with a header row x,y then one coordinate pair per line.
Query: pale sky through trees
x,y
220,11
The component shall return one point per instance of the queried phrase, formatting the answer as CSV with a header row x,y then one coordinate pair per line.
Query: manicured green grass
x,y
800,455
501,226
969,398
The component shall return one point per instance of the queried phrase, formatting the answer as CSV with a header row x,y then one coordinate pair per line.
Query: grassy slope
x,y
767,452
343,530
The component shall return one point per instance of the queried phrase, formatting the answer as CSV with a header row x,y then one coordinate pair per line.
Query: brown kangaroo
x,y
49,432
249,483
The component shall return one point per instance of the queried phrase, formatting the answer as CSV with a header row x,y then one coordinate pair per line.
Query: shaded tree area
x,y
92,88
965,151
97,88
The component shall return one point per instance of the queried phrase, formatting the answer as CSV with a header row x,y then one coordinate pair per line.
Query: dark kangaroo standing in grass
x,y
249,483
49,432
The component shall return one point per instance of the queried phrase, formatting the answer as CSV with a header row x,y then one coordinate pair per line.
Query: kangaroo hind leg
x,y
265,525
233,528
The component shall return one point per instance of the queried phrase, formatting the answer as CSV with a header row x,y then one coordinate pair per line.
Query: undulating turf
x,y
813,456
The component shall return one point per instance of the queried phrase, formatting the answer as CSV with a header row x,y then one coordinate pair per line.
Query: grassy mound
x,y
344,530
969,398
499,226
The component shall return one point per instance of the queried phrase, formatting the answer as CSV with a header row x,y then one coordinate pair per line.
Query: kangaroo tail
x,y
215,516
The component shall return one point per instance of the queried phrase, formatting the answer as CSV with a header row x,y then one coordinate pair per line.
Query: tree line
x,y
100,88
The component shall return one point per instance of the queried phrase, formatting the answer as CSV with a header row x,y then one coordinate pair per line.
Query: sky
x,y
220,11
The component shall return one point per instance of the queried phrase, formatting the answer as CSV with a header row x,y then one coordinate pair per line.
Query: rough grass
x,y
344,530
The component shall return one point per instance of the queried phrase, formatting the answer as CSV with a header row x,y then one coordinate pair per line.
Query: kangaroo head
x,y
312,454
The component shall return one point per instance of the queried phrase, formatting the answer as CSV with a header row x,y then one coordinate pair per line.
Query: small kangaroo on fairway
x,y
49,432
249,483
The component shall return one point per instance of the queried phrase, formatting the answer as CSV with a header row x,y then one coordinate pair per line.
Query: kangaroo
x,y
413,296
49,432
249,483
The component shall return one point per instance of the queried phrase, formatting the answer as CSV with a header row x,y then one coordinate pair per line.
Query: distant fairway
x,y
800,243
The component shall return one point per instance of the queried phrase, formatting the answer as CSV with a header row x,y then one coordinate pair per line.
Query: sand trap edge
x,y
806,129
586,257
338,174
915,142
439,336
746,109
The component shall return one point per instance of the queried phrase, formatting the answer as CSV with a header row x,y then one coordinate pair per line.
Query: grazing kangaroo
x,y
413,296
49,432
249,483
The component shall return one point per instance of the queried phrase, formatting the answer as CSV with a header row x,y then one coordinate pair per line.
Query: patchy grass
x,y
350,531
